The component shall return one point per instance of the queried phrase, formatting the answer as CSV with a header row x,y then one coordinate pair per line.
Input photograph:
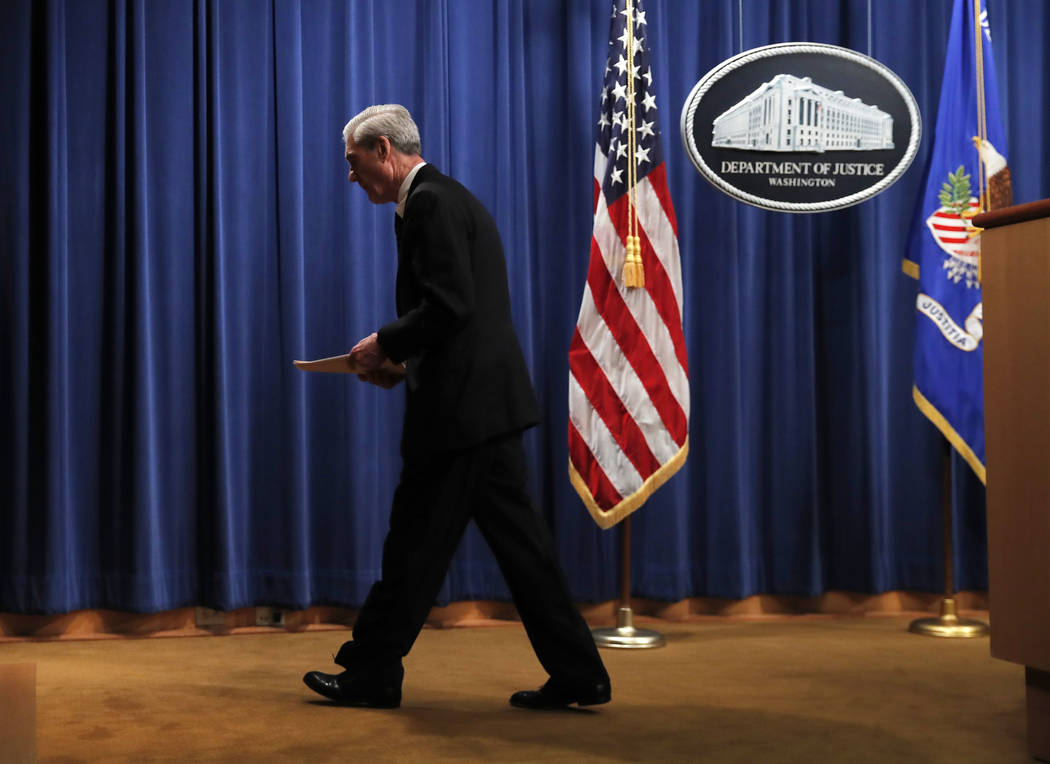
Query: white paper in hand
x,y
336,364
341,364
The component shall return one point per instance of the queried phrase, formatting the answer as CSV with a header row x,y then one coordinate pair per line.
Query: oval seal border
x,y
742,59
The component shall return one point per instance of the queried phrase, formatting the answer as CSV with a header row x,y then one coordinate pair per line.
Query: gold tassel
x,y
628,263
633,274
639,273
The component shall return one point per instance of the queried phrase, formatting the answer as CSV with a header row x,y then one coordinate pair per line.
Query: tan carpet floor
x,y
788,690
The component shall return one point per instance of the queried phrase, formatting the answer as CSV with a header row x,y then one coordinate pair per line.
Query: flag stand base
x,y
625,635
948,624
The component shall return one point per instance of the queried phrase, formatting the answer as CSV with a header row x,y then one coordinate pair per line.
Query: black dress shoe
x,y
550,696
349,691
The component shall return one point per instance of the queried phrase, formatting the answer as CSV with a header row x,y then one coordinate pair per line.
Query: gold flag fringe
x,y
960,445
608,518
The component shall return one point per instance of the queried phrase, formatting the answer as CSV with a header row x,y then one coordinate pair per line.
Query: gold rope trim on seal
x,y
949,432
607,519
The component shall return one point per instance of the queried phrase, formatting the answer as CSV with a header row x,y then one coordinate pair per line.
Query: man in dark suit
x,y
468,400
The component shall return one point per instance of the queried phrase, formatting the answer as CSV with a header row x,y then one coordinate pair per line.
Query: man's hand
x,y
367,354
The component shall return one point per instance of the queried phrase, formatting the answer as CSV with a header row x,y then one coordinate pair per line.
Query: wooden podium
x,y
1015,281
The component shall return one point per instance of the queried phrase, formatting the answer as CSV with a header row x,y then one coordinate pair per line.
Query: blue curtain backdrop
x,y
176,226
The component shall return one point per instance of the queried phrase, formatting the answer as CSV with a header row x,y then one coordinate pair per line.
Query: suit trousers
x,y
435,499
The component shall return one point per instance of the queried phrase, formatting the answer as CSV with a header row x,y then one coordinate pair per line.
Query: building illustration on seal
x,y
791,113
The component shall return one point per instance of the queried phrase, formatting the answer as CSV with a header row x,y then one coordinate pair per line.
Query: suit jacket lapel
x,y
404,287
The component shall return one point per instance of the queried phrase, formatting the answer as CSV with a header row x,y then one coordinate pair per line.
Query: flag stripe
x,y
666,298
602,491
636,348
654,225
614,463
595,338
657,181
605,400
666,339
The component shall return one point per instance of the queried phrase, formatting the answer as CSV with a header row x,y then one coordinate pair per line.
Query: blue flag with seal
x,y
968,174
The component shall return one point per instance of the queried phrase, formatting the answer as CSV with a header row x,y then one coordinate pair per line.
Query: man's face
x,y
372,170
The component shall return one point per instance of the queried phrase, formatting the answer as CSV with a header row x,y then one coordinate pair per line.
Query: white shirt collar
x,y
402,193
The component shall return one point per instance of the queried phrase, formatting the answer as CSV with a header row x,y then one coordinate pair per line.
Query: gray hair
x,y
389,119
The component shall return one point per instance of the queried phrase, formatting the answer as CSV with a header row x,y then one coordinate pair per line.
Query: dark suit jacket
x,y
466,380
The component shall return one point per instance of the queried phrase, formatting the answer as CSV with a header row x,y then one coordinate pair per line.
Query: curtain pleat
x,y
176,227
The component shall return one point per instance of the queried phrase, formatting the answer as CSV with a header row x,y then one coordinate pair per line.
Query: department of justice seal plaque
x,y
801,127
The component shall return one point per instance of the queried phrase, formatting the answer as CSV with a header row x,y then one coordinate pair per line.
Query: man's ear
x,y
382,147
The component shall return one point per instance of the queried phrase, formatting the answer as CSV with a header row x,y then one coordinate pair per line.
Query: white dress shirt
x,y
402,193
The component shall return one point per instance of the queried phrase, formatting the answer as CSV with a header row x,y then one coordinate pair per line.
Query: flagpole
x,y
982,114
619,405
983,191
624,634
948,623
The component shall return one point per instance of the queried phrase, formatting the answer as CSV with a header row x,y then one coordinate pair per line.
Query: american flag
x,y
628,372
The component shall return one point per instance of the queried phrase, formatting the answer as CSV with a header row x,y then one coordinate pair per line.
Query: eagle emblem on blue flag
x,y
950,226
